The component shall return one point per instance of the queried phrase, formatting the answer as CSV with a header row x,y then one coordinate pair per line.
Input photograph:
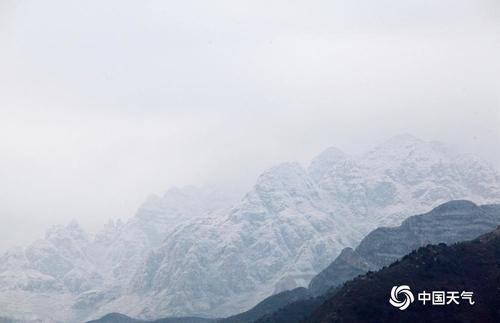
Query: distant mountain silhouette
x,y
450,222
116,318
269,305
470,266
120,318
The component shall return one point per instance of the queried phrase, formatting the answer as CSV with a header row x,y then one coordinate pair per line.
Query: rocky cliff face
x,y
198,252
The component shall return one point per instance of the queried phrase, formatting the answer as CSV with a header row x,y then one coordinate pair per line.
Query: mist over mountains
x,y
198,252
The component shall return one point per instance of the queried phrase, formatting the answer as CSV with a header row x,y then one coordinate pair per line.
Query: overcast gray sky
x,y
105,102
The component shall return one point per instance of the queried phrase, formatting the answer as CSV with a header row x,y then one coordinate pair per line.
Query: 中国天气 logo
x,y
401,297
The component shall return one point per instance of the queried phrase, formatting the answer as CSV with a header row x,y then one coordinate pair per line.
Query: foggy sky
x,y
103,103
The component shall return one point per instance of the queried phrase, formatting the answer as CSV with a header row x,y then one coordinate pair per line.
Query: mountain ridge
x,y
468,266
447,223
175,258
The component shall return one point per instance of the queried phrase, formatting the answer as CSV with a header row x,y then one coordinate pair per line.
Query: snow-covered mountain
x,y
200,252
67,275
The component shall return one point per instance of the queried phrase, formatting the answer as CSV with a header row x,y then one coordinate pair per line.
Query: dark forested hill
x,y
450,222
120,318
467,266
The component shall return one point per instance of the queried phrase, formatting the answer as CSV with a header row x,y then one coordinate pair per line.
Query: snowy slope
x,y
47,275
295,221
203,252
66,275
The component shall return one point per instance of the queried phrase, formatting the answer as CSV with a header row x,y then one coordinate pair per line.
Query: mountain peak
x,y
400,142
323,162
411,142
405,149
72,230
282,178
462,205
280,173
331,153
73,225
